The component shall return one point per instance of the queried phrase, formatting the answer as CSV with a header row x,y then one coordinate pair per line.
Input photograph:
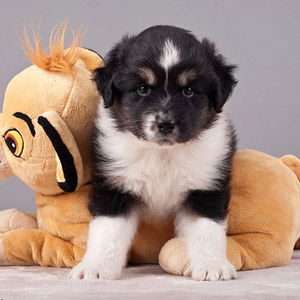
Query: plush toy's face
x,y
40,140
28,152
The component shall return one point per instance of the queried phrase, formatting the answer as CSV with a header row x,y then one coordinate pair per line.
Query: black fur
x,y
210,204
109,201
119,82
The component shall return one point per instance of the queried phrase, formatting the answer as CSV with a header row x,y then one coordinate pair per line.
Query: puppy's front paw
x,y
212,270
89,271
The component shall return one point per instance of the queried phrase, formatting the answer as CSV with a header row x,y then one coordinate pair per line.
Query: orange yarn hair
x,y
59,59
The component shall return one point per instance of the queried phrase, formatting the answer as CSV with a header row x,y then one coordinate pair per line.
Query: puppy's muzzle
x,y
165,126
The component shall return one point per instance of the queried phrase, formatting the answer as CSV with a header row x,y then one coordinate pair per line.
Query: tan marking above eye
x,y
148,75
186,76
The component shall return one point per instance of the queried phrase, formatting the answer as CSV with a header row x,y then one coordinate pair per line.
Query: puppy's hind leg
x,y
108,243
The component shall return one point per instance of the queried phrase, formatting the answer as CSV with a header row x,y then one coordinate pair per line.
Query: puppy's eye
x,y
188,91
143,90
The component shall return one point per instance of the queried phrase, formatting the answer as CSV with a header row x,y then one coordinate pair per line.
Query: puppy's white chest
x,y
161,177
150,174
158,179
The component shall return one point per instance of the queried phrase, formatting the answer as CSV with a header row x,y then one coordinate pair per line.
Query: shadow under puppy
x,y
163,147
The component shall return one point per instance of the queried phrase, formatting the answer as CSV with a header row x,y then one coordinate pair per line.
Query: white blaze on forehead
x,y
170,55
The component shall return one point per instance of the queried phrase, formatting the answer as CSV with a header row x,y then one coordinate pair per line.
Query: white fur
x,y
149,123
108,243
170,55
162,175
206,245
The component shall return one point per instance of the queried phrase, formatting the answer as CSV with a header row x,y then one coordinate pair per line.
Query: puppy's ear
x,y
224,73
104,80
105,77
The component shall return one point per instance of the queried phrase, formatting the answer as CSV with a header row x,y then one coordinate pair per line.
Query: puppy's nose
x,y
165,126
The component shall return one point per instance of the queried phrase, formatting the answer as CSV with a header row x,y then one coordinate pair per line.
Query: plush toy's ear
x,y
224,73
105,76
69,172
92,59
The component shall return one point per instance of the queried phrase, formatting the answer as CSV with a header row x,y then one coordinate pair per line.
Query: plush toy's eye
x,y
188,91
143,90
14,142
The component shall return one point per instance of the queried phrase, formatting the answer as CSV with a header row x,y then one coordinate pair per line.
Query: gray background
x,y
262,37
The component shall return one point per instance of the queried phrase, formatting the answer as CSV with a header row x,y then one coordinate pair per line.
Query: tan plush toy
x,y
45,132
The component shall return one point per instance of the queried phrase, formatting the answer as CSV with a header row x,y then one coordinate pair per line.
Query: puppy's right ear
x,y
224,72
104,77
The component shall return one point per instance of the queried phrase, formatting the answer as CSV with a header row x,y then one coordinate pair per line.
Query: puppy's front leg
x,y
108,243
205,237
110,233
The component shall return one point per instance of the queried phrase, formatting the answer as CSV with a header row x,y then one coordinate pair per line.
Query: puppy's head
x,y
164,85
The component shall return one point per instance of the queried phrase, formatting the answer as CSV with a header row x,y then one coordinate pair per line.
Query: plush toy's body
x,y
45,130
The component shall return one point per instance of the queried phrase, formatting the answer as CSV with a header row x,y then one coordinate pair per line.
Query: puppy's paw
x,y
90,271
212,270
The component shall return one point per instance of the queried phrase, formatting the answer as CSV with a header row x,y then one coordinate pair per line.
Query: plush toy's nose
x,y
5,170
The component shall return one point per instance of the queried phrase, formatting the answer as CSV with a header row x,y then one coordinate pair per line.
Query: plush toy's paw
x,y
212,270
3,259
90,271
173,258
11,219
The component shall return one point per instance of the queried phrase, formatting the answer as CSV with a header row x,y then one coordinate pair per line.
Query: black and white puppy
x,y
162,146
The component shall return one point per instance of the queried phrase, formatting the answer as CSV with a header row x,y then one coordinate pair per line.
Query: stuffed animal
x,y
45,132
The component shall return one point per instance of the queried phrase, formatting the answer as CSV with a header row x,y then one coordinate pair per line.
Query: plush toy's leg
x,y
257,251
11,219
246,252
37,247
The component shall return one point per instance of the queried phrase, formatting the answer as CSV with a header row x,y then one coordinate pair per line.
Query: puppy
x,y
162,146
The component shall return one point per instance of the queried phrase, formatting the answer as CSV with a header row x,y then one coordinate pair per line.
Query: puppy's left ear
x,y
224,73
